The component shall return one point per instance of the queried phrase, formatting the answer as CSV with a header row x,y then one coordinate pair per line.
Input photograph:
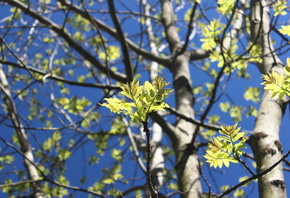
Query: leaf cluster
x,y
225,6
278,84
210,33
145,99
279,7
227,147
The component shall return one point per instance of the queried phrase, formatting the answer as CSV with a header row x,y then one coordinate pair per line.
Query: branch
x,y
166,126
254,177
152,191
225,44
125,50
15,56
193,121
44,176
168,23
198,54
21,134
189,28
133,143
113,33
58,78
70,41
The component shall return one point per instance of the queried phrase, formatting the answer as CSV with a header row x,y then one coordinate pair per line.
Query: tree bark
x,y
187,166
265,140
21,135
157,133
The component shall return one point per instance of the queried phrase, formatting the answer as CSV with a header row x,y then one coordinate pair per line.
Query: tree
x,y
61,59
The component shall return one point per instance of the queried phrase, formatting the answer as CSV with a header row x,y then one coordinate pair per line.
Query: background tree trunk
x,y
187,165
22,138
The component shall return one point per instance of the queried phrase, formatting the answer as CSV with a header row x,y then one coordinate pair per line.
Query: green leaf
x,y
224,149
81,79
64,154
252,93
285,29
225,106
112,53
117,154
56,136
279,7
225,6
146,99
47,145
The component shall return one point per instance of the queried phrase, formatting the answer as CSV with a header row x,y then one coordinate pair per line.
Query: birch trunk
x,y
187,166
21,135
265,140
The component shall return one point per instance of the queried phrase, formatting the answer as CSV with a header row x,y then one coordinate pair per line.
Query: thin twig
x,y
44,178
152,192
133,143
254,176
124,45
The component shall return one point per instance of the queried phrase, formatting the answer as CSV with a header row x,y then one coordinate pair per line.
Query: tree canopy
x,y
195,90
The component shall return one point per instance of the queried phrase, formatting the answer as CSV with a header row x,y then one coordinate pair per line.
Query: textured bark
x,y
21,135
186,160
186,156
187,166
265,140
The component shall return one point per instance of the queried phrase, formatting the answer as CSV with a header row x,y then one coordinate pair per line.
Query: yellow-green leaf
x,y
285,29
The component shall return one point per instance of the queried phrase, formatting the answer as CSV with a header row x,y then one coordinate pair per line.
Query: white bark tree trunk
x,y
21,134
187,165
157,153
265,140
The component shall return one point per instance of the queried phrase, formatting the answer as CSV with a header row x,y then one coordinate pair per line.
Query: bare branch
x,y
44,176
127,59
254,177
113,32
59,30
60,79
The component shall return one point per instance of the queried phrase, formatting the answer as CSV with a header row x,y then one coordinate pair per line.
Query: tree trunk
x,y
21,135
265,140
187,166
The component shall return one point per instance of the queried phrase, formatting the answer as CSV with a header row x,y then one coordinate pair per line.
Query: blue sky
x,y
78,167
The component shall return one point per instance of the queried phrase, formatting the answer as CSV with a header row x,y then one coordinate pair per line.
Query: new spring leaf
x,y
226,148
144,99
278,84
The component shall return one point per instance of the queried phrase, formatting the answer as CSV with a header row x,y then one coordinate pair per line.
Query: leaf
x,y
113,104
279,7
116,154
225,106
56,136
276,84
287,68
64,154
225,6
112,53
224,149
210,33
146,99
285,29
63,101
219,160
229,130
252,93
108,181
47,145
81,79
